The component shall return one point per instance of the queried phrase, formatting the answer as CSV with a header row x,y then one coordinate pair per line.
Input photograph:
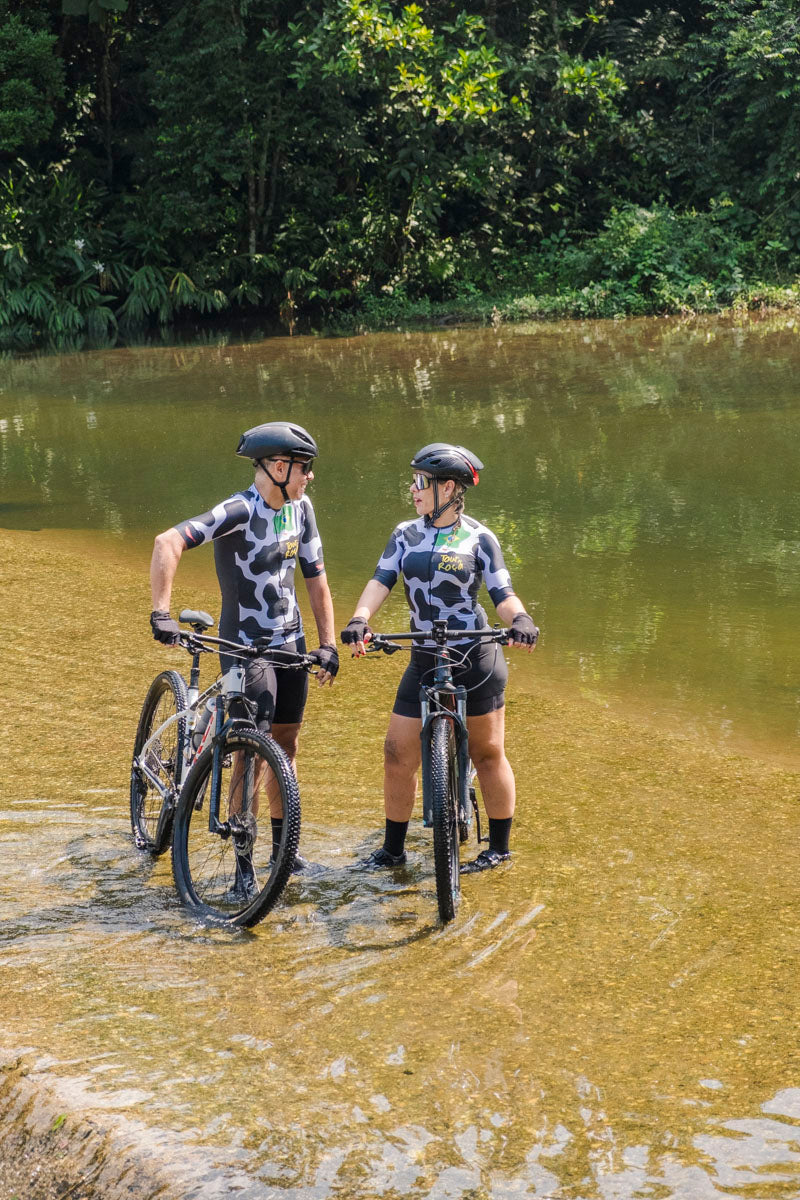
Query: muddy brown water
x,y
613,1016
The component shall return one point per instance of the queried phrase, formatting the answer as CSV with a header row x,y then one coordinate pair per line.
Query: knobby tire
x,y
204,863
444,806
152,815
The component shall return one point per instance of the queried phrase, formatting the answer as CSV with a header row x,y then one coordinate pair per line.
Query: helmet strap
x,y
262,462
438,508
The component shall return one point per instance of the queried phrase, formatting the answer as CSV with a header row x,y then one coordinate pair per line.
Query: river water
x,y
613,1016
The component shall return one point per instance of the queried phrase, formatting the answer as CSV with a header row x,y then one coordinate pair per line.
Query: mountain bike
x,y
199,764
449,781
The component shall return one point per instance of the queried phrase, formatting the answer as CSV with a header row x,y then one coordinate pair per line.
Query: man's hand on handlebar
x,y
355,635
327,659
165,628
524,634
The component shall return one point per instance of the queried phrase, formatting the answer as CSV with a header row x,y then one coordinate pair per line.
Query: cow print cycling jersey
x,y
255,552
442,570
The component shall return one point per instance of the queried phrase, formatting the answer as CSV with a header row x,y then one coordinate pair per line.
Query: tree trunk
x,y
273,188
105,100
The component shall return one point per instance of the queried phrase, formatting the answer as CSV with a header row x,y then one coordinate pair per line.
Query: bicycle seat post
x,y
194,675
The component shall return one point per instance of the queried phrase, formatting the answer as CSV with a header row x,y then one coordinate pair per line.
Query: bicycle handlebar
x,y
198,643
431,639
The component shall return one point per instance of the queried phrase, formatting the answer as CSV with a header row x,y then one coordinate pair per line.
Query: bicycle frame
x,y
230,687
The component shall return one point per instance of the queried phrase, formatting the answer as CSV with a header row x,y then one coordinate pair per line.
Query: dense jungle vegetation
x,y
359,162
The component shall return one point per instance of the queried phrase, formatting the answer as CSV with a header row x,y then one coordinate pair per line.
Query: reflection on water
x,y
637,478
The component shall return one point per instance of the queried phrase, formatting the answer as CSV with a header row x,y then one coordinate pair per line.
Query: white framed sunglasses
x,y
421,481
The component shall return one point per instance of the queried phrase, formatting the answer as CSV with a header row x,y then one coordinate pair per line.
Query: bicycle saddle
x,y
199,620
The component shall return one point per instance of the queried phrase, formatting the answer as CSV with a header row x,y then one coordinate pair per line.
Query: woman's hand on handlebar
x,y
355,635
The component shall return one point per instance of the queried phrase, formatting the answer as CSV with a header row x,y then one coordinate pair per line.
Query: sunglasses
x,y
421,481
305,466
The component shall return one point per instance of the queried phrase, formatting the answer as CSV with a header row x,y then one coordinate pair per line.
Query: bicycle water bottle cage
x,y
200,621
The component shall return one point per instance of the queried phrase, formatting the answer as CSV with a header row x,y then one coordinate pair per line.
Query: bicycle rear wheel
x,y
152,811
444,805
230,875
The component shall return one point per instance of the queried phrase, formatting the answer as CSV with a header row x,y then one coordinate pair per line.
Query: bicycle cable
x,y
463,661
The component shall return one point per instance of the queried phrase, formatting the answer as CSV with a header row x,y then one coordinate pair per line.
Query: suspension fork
x,y
216,767
232,689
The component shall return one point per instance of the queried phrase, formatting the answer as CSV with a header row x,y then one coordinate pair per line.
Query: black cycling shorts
x,y
278,692
484,674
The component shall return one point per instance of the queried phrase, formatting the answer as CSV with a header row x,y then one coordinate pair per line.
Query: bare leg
x,y
487,751
486,748
286,737
401,759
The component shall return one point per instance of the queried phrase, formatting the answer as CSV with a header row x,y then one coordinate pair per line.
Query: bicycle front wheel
x,y
156,773
222,845
444,805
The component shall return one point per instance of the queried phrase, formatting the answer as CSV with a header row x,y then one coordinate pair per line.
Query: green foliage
x,y
51,282
352,161
31,83
95,10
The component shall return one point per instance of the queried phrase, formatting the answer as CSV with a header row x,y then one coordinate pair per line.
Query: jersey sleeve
x,y
390,563
223,518
309,551
495,573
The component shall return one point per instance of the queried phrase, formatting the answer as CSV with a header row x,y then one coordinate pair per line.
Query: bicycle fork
x,y
458,718
233,685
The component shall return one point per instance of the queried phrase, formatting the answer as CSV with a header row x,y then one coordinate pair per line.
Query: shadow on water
x,y
356,907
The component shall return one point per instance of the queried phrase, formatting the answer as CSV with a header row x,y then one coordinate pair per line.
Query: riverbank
x,y
394,310
594,300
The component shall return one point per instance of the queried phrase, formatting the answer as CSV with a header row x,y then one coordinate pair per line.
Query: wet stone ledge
x,y
48,1153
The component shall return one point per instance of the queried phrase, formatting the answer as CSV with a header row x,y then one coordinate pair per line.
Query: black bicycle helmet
x,y
441,460
277,437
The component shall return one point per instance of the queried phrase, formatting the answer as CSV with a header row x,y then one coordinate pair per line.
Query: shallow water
x,y
614,1016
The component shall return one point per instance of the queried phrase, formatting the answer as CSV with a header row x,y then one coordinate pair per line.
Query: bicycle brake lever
x,y
374,647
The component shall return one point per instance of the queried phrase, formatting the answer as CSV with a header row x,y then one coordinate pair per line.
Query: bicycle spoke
x,y
151,805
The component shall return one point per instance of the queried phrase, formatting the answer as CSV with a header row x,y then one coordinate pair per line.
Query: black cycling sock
x,y
499,833
277,830
394,839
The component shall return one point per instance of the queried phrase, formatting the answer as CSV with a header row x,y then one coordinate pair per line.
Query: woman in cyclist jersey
x,y
444,556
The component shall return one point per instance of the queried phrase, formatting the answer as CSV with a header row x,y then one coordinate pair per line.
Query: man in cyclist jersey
x,y
443,557
259,536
